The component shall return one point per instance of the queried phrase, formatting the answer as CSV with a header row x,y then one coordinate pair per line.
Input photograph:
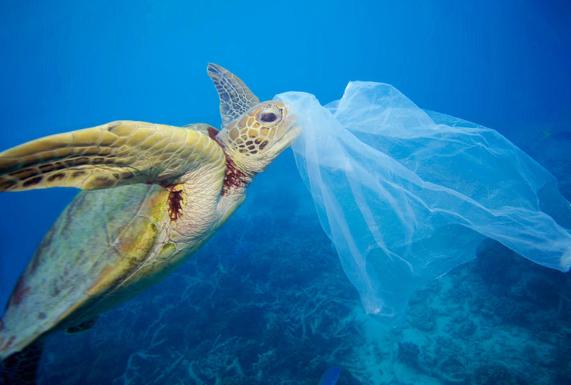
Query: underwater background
x,y
265,301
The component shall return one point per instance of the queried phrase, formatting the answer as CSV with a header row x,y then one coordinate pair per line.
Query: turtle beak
x,y
288,133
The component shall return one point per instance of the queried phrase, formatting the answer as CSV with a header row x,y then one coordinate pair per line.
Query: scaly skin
x,y
109,244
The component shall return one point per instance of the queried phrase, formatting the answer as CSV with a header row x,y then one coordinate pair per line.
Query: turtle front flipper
x,y
235,97
113,154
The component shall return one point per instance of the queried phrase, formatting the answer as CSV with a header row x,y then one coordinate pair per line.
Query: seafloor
x,y
266,302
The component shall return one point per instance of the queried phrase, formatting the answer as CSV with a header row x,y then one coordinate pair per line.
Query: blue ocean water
x,y
266,301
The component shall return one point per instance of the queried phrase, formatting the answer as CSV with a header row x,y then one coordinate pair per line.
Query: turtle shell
x,y
99,237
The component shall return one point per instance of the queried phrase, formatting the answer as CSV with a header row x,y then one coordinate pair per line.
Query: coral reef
x,y
266,302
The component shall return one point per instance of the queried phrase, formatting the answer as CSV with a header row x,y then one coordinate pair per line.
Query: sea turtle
x,y
156,194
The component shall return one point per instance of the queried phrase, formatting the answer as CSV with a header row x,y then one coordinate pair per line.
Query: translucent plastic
x,y
406,195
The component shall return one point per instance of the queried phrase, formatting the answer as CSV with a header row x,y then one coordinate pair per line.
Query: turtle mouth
x,y
288,133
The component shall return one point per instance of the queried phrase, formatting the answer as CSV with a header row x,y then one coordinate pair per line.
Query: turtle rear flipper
x,y
113,154
85,325
21,368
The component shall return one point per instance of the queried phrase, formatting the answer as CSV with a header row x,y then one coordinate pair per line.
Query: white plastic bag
x,y
406,195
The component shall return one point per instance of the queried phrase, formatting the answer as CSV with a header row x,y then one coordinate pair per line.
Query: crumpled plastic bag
x,y
406,194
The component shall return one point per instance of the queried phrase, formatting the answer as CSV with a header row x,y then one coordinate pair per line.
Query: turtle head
x,y
253,133
259,136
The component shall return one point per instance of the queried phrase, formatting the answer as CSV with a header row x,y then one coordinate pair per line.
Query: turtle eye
x,y
268,117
